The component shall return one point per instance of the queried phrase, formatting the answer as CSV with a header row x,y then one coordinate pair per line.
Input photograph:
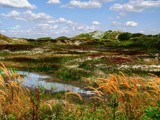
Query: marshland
x,y
80,78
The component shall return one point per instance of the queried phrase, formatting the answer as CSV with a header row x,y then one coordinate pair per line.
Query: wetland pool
x,y
34,80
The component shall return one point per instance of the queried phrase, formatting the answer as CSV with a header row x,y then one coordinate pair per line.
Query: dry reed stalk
x,y
14,97
133,91
97,98
74,93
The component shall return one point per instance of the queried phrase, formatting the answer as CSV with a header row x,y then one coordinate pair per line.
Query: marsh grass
x,y
16,101
117,97
13,96
127,95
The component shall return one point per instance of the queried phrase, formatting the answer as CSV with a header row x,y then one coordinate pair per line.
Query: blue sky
x,y
41,18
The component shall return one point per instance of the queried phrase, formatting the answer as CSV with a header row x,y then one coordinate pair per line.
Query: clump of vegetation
x,y
83,36
116,97
72,74
153,112
124,36
127,95
14,101
62,38
135,35
44,39
111,35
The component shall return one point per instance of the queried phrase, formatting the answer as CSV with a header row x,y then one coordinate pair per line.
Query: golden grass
x,y
133,93
73,93
13,96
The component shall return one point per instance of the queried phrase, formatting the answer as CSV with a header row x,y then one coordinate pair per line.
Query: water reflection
x,y
35,80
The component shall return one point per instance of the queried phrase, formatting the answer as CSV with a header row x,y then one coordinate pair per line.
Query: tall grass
x,y
118,97
127,95
13,97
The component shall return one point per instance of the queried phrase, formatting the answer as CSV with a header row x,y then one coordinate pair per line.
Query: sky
x,y
54,18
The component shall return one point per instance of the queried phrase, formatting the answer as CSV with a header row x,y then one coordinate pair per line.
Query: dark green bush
x,y
124,36
62,38
44,39
137,35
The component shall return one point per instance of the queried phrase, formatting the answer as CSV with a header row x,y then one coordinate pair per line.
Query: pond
x,y
35,80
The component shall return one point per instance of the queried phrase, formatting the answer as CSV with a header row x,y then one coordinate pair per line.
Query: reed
x,y
13,96
73,93
133,94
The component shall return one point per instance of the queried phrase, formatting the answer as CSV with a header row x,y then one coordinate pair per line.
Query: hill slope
x,y
7,40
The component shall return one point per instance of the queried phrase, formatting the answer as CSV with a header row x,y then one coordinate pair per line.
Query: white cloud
x,y
86,4
122,14
53,28
51,21
79,4
96,23
70,22
17,4
131,23
2,31
14,15
54,2
80,28
47,26
29,15
136,5
61,20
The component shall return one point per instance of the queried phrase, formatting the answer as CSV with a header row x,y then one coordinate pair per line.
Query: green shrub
x,y
124,36
137,35
62,38
45,39
153,112
71,74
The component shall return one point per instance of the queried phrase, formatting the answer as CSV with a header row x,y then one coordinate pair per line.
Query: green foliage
x,y
139,42
44,39
153,112
8,117
90,64
110,35
113,104
125,44
137,35
147,43
82,36
62,38
124,36
71,74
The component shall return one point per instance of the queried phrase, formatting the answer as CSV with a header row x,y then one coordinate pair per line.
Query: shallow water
x,y
34,80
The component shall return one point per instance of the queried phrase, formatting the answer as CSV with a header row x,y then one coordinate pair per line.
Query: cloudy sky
x,y
41,18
